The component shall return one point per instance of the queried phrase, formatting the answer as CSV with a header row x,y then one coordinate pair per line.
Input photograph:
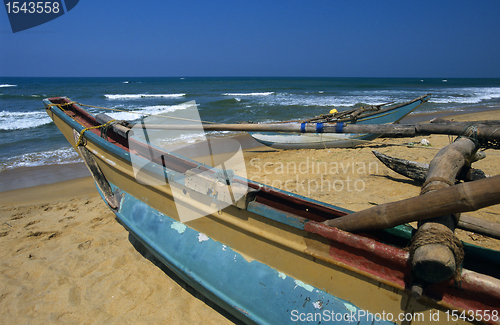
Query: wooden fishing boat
x,y
374,114
268,258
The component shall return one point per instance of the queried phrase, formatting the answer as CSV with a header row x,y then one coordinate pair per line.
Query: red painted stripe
x,y
476,292
365,254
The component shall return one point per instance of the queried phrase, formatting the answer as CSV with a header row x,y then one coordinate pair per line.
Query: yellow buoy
x,y
333,111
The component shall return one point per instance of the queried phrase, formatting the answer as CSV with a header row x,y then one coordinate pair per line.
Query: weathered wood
x,y
435,262
484,132
411,169
418,171
480,226
110,197
118,128
459,198
465,124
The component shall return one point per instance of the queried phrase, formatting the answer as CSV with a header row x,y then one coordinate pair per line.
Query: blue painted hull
x,y
250,290
322,140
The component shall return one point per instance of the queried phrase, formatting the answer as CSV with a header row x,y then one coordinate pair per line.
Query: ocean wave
x,y
187,138
51,157
249,94
7,85
184,138
140,96
137,112
22,120
286,99
226,102
24,97
465,95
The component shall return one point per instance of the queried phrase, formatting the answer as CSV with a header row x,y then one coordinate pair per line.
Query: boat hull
x,y
312,140
265,265
251,290
322,140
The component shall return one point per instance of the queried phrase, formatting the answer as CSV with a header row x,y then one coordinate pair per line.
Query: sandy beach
x,y
66,259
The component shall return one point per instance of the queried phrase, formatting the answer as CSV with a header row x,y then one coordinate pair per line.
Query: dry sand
x,y
66,259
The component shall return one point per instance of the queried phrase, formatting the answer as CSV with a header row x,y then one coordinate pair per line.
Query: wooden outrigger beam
x,y
418,171
484,132
459,198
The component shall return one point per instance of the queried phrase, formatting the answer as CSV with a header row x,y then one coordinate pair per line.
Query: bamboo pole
x,y
459,198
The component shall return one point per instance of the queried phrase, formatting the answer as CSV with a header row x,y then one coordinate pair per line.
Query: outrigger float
x,y
274,257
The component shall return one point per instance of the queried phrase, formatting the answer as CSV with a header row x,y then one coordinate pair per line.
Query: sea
x,y
28,137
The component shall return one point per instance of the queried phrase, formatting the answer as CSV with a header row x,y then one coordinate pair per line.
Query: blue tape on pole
x,y
303,127
319,127
339,127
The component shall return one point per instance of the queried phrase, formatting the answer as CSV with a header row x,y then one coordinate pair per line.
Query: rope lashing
x,y
433,235
80,138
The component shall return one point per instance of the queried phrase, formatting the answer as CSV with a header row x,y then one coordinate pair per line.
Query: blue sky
x,y
336,38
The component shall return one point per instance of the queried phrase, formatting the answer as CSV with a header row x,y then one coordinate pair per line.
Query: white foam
x,y
140,96
286,99
249,94
22,120
51,157
466,95
147,110
7,85
186,138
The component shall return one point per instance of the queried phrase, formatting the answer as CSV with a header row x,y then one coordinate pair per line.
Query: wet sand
x,y
65,258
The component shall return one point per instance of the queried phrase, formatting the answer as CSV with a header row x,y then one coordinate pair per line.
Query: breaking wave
x,y
140,96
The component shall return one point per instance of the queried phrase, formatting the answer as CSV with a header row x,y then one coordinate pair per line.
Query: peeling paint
x,y
282,275
350,307
318,304
110,162
303,285
180,227
202,237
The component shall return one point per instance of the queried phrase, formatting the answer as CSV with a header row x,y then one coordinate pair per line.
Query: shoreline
x,y
25,177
